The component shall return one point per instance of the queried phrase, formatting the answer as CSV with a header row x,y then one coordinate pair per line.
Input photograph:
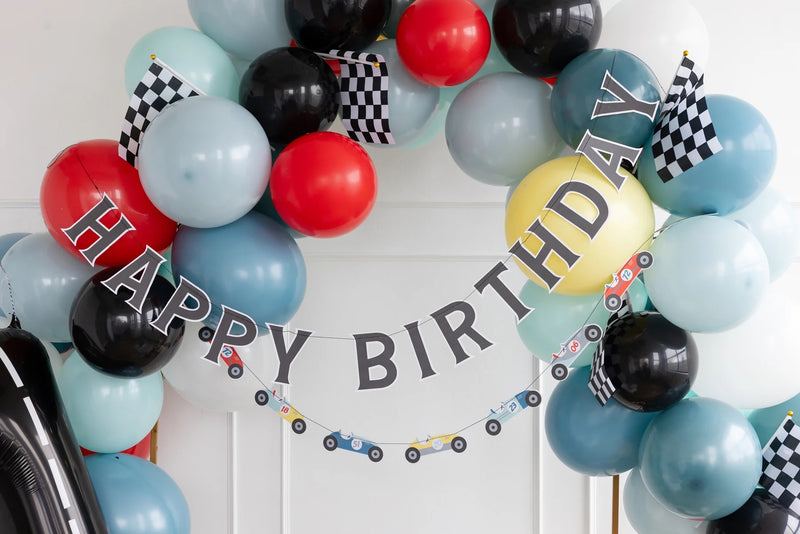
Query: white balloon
x,y
209,386
756,364
657,31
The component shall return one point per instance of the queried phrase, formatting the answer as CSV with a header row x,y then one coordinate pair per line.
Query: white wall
x,y
433,232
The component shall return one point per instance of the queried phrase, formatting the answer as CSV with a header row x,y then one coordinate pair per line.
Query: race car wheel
x,y
559,371
458,444
644,259
613,303
330,443
493,427
235,371
262,397
375,454
205,334
593,332
412,455
299,426
533,398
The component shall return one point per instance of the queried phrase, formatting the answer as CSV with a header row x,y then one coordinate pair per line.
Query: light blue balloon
x,y
191,54
251,265
708,274
412,103
579,87
728,180
766,421
204,161
6,241
770,217
592,439
107,413
434,127
647,516
499,128
136,496
44,280
244,28
700,458
555,317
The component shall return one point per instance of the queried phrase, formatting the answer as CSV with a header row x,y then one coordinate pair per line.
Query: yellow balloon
x,y
599,226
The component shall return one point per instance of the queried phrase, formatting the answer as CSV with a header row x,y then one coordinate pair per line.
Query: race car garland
x,y
605,155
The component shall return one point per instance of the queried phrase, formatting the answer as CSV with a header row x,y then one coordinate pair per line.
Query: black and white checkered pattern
x,y
601,383
159,87
792,525
364,97
685,135
781,465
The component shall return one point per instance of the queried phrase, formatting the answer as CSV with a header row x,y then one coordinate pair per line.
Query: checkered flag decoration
x,y
684,136
364,95
601,384
159,87
780,465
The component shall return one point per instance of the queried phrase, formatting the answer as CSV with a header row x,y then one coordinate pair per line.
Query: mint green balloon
x,y
556,317
108,413
193,55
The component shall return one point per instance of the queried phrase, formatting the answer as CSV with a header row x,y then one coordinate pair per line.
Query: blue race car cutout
x,y
349,442
510,408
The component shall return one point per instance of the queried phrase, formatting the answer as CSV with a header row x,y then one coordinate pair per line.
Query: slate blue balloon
x,y
700,458
136,496
108,413
44,279
190,53
204,161
251,265
243,28
397,10
592,439
771,218
729,179
580,86
499,128
412,103
709,274
648,516
766,421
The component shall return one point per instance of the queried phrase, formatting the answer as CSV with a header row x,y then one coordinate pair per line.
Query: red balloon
x,y
443,42
78,178
323,184
141,449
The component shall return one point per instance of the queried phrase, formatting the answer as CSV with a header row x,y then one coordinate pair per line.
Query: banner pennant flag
x,y
159,87
364,96
781,465
685,135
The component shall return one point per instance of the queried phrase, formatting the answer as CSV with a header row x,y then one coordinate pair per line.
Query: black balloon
x,y
324,25
653,361
116,339
761,514
41,467
292,92
539,37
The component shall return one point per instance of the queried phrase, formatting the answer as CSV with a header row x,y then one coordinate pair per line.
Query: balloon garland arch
x,y
186,116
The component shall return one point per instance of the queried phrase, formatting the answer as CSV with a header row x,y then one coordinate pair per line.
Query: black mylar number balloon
x,y
324,25
539,37
115,338
291,92
760,514
653,361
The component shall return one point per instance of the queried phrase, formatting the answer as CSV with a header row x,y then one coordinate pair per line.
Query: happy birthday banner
x,y
455,321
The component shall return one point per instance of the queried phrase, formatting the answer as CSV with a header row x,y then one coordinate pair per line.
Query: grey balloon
x,y
499,128
40,280
398,8
411,102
